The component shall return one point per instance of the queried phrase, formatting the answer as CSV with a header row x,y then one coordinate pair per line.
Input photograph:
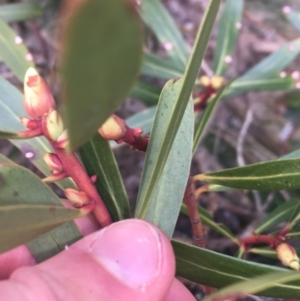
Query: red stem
x,y
74,169
203,98
271,241
134,138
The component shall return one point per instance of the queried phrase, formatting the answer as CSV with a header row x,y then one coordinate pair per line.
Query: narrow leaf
x,y
20,187
143,120
146,93
16,187
182,100
4,159
99,160
163,208
21,223
156,17
282,213
158,67
266,74
206,117
253,286
11,109
208,221
270,175
217,270
97,77
13,53
293,18
228,29
16,12
9,135
54,241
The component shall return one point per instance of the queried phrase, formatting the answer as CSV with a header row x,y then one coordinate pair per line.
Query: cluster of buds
x,y
40,106
210,87
215,82
115,128
288,256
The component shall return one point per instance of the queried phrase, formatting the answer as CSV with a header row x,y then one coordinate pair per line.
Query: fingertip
x,y
179,292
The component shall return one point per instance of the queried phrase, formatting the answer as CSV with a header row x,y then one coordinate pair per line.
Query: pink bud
x,y
288,256
29,123
53,162
63,141
52,125
137,132
114,128
37,95
78,198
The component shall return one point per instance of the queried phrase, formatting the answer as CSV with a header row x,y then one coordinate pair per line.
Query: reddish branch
x,y
192,207
203,98
271,241
73,168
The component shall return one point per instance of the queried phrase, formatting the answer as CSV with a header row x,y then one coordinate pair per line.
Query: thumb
x,y
129,260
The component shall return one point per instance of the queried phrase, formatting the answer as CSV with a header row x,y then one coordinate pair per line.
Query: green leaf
x,y
12,53
8,135
253,286
282,213
266,74
54,241
293,18
4,159
294,233
228,30
16,12
164,206
21,223
293,155
99,160
143,120
270,175
218,270
157,67
16,190
11,109
182,100
146,93
156,17
101,59
16,187
206,116
208,221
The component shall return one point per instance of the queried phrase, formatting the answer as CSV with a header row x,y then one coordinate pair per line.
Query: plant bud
x,y
217,82
114,128
52,125
37,95
29,123
78,198
63,140
204,81
288,256
54,163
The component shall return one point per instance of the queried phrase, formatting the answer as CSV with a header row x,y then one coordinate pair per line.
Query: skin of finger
x,y
76,272
21,256
179,292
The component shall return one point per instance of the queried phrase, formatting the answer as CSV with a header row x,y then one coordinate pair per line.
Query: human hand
x,y
129,260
